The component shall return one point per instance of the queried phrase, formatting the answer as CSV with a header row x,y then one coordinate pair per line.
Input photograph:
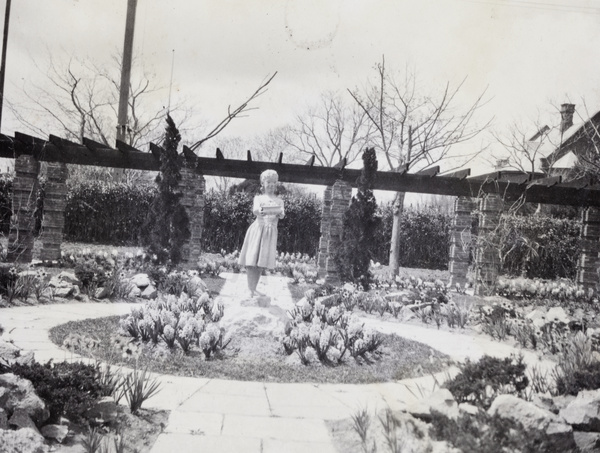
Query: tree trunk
x,y
395,240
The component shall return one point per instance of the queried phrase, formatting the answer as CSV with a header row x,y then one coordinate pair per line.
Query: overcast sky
x,y
527,54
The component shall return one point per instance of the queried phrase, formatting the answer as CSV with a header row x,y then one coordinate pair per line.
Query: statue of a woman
x,y
259,249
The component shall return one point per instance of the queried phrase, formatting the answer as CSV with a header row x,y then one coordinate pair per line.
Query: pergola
x,y
486,194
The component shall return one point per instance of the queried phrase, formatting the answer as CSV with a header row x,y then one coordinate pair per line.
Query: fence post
x,y
193,186
588,264
487,261
460,240
341,193
24,203
55,202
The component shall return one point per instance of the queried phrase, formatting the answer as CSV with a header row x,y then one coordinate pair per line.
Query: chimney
x,y
566,116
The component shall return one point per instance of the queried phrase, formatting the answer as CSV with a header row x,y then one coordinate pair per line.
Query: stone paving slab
x,y
195,423
278,446
190,443
242,388
226,404
285,429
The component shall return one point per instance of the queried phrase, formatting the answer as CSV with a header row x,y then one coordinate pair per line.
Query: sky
x,y
528,55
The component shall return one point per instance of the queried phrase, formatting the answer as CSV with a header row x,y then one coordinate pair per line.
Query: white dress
x,y
260,243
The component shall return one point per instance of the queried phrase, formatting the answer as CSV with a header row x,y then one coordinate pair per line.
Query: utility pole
x,y
3,65
126,71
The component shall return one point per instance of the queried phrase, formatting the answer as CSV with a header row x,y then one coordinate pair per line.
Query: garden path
x,y
234,416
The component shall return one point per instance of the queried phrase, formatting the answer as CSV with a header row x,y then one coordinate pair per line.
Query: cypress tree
x,y
360,221
167,225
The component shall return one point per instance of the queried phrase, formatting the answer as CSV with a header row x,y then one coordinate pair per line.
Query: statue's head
x,y
268,181
268,176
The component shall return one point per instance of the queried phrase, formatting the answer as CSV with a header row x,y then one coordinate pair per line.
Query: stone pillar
x,y
341,193
460,239
55,202
487,262
588,264
24,201
324,239
193,186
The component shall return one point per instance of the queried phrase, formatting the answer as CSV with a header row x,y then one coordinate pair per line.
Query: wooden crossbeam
x,y
341,164
429,171
92,145
219,154
402,169
311,161
546,182
460,174
580,183
125,147
539,191
155,150
519,179
248,156
280,159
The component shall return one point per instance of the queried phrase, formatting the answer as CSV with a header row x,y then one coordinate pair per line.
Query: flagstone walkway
x,y
216,415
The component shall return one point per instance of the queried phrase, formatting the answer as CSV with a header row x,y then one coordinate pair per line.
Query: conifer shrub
x,y
167,225
357,245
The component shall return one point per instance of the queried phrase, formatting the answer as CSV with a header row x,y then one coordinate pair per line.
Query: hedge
x,y
113,214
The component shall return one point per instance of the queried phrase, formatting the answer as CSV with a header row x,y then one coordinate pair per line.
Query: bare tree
x,y
588,164
414,131
330,131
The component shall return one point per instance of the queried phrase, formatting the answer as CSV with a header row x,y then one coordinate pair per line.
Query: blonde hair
x,y
268,176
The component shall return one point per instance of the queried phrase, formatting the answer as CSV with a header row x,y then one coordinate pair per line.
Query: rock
x,y
63,292
135,292
21,419
196,286
440,401
583,413
562,401
44,300
101,293
557,314
55,432
27,359
69,277
534,418
104,412
141,280
253,321
537,317
76,291
328,301
8,351
468,409
587,442
545,401
304,304
3,419
22,441
21,395
149,293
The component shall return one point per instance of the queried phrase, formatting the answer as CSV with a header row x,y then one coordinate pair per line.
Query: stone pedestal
x,y
335,203
460,240
487,261
55,202
24,201
588,264
193,186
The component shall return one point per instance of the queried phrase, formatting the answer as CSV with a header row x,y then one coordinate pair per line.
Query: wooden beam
x,y
155,150
189,155
219,155
580,183
429,171
60,150
460,174
546,182
248,156
519,179
341,164
280,159
94,146
311,161
125,148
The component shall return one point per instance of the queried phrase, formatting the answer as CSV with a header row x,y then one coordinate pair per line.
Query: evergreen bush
x,y
167,224
357,245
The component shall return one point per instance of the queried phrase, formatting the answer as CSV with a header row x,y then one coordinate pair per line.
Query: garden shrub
x,y
424,238
68,389
480,382
488,433
107,213
166,228
357,247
